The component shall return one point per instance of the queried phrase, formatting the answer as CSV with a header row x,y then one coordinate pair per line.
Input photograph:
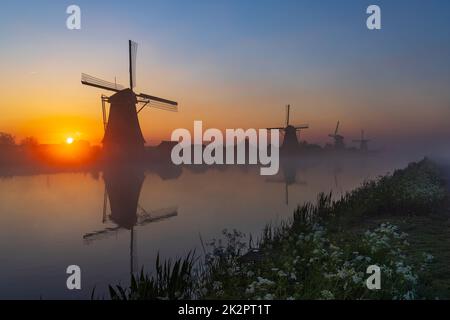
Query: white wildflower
x,y
326,294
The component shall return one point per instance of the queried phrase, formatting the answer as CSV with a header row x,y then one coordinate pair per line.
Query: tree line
x,y
8,140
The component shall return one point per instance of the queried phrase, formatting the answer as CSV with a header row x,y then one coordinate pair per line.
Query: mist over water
x,y
44,217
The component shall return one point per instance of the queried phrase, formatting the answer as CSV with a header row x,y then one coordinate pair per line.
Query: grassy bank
x,y
323,251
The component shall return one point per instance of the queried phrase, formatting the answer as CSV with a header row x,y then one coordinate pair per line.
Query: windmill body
x,y
123,137
290,142
339,143
123,132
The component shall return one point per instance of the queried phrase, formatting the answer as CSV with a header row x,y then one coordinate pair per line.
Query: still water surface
x,y
50,221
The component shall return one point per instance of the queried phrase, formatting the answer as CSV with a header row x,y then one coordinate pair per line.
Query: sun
x,y
69,140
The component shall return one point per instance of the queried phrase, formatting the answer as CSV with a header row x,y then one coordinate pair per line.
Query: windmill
x,y
123,136
338,139
290,142
362,143
122,191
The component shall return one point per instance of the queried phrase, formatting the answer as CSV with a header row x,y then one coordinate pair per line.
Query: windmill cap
x,y
126,95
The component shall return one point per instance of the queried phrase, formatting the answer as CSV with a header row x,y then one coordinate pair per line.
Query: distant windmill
x,y
338,139
290,142
123,135
362,143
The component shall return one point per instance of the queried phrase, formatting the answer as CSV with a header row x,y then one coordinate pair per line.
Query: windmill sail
x,y
157,99
288,107
88,238
301,126
99,83
157,103
337,128
133,46
163,106
146,217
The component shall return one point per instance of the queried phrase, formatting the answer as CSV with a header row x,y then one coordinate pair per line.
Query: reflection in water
x,y
123,186
337,170
288,172
43,217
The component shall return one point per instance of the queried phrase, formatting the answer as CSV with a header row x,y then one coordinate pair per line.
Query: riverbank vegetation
x,y
324,250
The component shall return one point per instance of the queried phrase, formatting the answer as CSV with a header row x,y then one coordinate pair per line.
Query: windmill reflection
x,y
288,168
337,170
123,186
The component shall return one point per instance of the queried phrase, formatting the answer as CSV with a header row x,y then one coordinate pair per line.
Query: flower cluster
x,y
314,263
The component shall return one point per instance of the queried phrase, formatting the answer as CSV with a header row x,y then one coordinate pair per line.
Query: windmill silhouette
x,y
290,141
122,190
338,139
123,136
363,143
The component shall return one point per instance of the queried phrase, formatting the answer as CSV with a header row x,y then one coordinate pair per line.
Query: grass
x,y
418,189
171,282
324,250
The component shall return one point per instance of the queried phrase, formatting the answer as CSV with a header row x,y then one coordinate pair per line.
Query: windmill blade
x,y
286,190
337,128
288,108
275,128
157,105
132,47
163,106
88,238
99,83
146,217
301,126
105,121
133,254
157,99
105,205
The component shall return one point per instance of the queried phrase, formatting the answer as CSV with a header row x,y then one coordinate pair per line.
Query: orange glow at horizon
x,y
61,107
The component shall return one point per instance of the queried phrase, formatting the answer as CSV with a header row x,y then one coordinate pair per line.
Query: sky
x,y
232,64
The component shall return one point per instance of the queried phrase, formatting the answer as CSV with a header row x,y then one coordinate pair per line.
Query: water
x,y
44,217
